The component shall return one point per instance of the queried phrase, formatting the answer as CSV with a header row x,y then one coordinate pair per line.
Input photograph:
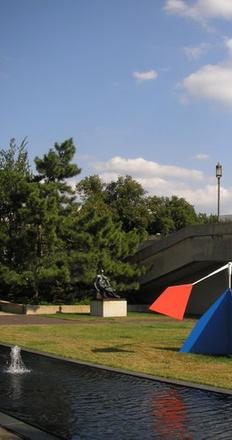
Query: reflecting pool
x,y
80,402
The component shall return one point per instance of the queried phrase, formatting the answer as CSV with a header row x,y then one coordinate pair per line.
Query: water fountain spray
x,y
17,366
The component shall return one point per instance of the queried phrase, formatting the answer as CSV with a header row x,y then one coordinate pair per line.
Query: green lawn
x,y
144,343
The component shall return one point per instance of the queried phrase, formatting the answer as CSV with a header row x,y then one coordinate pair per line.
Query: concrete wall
x,y
29,309
46,310
9,307
184,257
200,243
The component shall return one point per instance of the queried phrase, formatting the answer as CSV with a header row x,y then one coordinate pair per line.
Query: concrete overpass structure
x,y
184,257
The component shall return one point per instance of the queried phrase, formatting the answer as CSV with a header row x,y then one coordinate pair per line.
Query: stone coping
x,y
7,435
177,382
32,309
24,430
8,308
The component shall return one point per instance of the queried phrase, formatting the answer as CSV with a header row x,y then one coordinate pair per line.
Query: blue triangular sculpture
x,y
213,332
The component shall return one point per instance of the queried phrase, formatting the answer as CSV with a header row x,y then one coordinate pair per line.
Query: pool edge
x,y
161,379
24,430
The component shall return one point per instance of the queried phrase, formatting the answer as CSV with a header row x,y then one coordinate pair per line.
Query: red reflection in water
x,y
170,416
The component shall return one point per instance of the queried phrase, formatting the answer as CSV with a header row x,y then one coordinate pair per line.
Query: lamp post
x,y
218,175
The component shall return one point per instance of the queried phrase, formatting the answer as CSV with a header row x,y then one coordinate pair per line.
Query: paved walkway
x,y
5,313
32,320
14,319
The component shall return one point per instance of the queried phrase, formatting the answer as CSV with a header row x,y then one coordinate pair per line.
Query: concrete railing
x,y
184,257
154,246
192,245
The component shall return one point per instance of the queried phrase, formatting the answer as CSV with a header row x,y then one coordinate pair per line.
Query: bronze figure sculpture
x,y
103,287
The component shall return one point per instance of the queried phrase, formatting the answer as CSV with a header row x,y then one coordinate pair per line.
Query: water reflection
x,y
79,402
15,384
170,415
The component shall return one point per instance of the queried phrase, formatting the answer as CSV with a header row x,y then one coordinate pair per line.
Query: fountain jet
x,y
16,366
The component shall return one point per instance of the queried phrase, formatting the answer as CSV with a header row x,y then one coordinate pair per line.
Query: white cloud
x,y
202,156
167,180
201,10
145,76
205,199
193,53
228,44
212,81
144,168
180,7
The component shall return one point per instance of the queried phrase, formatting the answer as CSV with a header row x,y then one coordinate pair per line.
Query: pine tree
x,y
52,202
56,166
53,246
33,261
95,241
15,181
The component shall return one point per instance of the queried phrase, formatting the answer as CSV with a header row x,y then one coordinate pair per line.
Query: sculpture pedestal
x,y
108,308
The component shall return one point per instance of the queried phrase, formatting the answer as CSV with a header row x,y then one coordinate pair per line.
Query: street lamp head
x,y
218,170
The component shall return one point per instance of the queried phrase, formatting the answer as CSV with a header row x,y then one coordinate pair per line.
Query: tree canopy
x,y
53,246
55,235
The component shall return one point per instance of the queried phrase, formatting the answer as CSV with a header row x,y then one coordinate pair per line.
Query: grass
x,y
144,343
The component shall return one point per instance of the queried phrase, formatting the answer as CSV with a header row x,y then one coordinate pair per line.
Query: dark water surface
x,y
78,402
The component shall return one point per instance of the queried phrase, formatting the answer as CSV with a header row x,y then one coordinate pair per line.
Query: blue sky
x,y
143,87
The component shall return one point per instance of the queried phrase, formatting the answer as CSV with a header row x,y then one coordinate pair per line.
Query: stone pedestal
x,y
108,308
